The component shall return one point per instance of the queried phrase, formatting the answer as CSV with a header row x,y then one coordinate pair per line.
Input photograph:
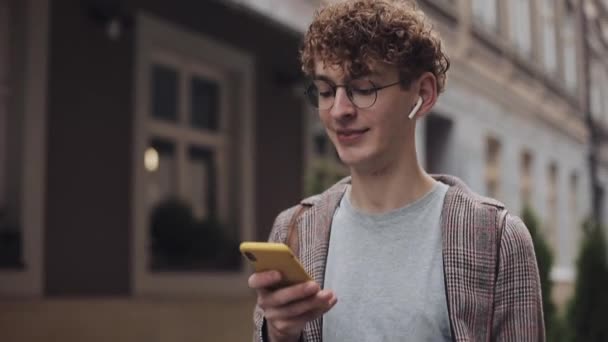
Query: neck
x,y
394,185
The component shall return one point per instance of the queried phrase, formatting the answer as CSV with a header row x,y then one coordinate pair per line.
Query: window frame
x,y
493,151
550,67
527,177
154,35
4,92
597,79
553,204
569,49
183,135
29,281
516,32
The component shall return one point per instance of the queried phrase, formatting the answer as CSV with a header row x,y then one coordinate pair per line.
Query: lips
x,y
349,136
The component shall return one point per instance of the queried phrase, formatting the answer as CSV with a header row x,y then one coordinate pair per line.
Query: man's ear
x,y
427,89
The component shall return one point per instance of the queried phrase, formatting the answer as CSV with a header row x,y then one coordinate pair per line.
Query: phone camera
x,y
250,257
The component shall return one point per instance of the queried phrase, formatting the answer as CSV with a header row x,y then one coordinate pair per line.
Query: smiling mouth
x,y
350,135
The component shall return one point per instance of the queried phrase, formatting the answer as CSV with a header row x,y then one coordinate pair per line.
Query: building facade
x,y
140,141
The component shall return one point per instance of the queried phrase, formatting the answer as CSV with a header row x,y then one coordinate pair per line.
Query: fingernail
x,y
333,301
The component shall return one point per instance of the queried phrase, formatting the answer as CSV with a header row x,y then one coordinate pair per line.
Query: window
x,y
570,48
493,151
22,146
596,90
10,231
548,35
485,12
552,209
573,200
188,164
526,178
194,159
604,92
599,91
4,28
520,25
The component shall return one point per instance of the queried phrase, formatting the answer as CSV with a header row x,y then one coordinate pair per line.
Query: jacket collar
x,y
333,195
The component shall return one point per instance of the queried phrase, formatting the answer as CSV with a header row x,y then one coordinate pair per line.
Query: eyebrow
x,y
346,79
327,79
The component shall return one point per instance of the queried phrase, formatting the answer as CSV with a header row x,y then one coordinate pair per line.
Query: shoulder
x,y
513,230
285,216
516,238
466,206
281,224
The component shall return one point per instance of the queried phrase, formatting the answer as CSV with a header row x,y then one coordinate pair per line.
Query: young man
x,y
396,254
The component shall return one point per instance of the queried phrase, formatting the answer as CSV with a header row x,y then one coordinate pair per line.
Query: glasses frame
x,y
349,93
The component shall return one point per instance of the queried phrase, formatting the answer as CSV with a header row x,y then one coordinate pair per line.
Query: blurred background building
x,y
141,141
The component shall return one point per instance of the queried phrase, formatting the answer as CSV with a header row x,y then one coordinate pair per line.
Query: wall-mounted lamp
x,y
110,16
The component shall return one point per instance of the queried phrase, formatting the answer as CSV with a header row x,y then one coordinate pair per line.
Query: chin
x,y
354,159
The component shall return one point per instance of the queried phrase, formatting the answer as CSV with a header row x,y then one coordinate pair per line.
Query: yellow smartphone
x,y
267,256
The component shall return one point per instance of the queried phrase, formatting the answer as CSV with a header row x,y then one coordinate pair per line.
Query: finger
x,y
297,323
321,301
290,294
325,295
286,327
261,280
312,315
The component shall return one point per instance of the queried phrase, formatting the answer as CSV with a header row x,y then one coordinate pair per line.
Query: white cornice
x,y
520,98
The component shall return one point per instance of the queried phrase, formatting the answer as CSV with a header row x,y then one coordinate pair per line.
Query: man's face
x,y
370,137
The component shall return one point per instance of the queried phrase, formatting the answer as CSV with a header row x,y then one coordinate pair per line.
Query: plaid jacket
x,y
491,277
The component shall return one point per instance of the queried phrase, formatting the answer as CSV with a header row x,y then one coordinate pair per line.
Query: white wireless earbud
x,y
416,108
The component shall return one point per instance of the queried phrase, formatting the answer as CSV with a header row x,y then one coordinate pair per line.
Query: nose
x,y
343,106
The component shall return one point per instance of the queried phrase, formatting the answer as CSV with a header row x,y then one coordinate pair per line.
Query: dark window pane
x,y
203,183
188,235
162,170
10,243
166,212
205,96
11,146
164,93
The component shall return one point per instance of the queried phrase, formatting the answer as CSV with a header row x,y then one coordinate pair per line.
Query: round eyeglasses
x,y
362,93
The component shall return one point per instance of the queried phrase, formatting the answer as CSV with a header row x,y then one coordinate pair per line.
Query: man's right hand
x,y
288,309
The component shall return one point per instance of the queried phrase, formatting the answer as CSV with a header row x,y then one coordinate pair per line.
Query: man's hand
x,y
288,309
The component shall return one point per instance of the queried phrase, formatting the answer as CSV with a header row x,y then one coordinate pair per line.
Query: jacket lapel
x,y
313,234
470,237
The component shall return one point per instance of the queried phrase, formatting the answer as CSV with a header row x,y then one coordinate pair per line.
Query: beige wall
x,y
561,294
126,320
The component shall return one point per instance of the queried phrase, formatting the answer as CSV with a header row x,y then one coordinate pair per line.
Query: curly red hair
x,y
355,34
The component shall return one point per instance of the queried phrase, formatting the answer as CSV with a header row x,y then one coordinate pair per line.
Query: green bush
x,y
180,241
588,310
544,259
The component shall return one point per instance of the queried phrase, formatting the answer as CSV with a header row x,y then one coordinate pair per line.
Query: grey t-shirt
x,y
387,273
